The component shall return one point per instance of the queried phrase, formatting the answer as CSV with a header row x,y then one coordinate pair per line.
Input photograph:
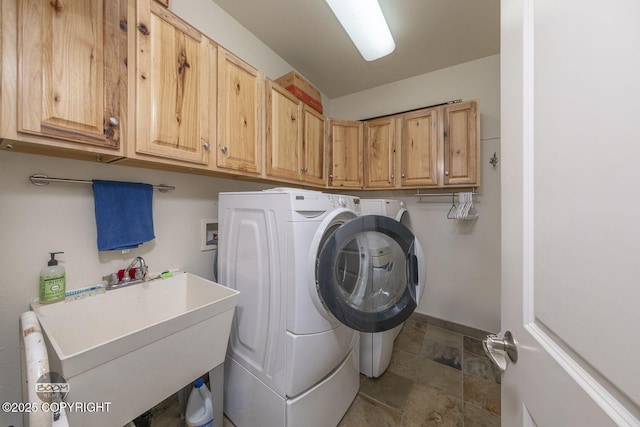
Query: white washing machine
x,y
376,348
309,281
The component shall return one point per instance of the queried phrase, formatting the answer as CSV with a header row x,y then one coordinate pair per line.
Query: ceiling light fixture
x,y
364,22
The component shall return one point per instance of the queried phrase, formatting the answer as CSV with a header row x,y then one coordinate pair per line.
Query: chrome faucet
x,y
140,272
113,280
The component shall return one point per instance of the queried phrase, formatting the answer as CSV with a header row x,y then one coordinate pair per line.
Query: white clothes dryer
x,y
376,348
309,278
396,209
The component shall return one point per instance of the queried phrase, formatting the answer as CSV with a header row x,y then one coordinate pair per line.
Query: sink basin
x,y
135,346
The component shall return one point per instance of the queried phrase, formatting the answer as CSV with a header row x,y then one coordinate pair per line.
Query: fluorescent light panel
x,y
364,22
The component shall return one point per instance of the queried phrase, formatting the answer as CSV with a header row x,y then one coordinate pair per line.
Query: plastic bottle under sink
x,y
200,406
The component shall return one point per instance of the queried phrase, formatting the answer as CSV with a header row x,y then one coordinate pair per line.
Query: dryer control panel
x,y
345,201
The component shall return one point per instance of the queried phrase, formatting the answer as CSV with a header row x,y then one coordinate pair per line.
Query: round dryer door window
x,y
367,273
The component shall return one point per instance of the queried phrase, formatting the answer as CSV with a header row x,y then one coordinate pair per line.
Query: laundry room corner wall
x,y
463,257
463,261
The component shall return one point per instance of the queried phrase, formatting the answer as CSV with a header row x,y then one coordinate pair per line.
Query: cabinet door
x,y
379,152
346,154
419,149
313,147
176,84
461,143
284,133
72,70
240,89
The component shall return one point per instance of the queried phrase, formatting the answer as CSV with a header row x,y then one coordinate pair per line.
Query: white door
x,y
571,211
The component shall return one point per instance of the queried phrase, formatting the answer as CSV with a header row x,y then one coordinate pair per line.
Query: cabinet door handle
x,y
446,173
303,169
113,121
224,149
403,176
392,176
206,145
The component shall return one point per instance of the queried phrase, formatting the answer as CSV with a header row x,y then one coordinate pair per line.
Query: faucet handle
x,y
141,272
111,279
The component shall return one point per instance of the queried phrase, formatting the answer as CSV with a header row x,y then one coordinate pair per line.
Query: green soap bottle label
x,y
52,288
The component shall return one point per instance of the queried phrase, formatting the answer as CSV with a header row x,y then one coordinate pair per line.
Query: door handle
x,y
498,350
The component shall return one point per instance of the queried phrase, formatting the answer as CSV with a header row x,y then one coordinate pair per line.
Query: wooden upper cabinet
x,y
379,152
461,143
284,133
313,147
72,81
441,146
176,87
69,88
240,100
419,149
346,153
295,138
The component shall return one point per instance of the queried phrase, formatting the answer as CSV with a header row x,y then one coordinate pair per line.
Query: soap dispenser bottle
x,y
52,281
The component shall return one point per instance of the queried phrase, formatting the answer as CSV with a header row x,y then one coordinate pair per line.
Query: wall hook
x,y
453,209
494,160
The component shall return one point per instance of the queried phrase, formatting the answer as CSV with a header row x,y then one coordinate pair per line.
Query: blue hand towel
x,y
124,216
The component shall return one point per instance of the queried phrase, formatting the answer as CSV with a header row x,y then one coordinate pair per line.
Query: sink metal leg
x,y
183,396
216,381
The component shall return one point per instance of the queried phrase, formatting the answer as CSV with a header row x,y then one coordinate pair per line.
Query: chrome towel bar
x,y
40,179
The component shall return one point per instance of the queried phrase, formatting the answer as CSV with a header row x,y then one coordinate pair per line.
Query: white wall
x,y
463,258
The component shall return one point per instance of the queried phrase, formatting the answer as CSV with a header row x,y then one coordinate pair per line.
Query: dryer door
x,y
367,273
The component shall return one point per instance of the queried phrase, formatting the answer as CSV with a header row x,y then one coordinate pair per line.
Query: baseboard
x,y
456,327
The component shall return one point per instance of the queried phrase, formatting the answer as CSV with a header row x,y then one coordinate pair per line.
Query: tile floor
x,y
438,376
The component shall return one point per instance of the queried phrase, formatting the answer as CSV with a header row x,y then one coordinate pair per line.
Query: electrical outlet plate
x,y
208,232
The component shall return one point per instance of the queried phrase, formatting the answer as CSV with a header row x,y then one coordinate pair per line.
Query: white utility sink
x,y
135,346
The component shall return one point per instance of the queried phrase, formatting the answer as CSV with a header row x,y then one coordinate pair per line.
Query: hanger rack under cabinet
x,y
449,194
465,211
